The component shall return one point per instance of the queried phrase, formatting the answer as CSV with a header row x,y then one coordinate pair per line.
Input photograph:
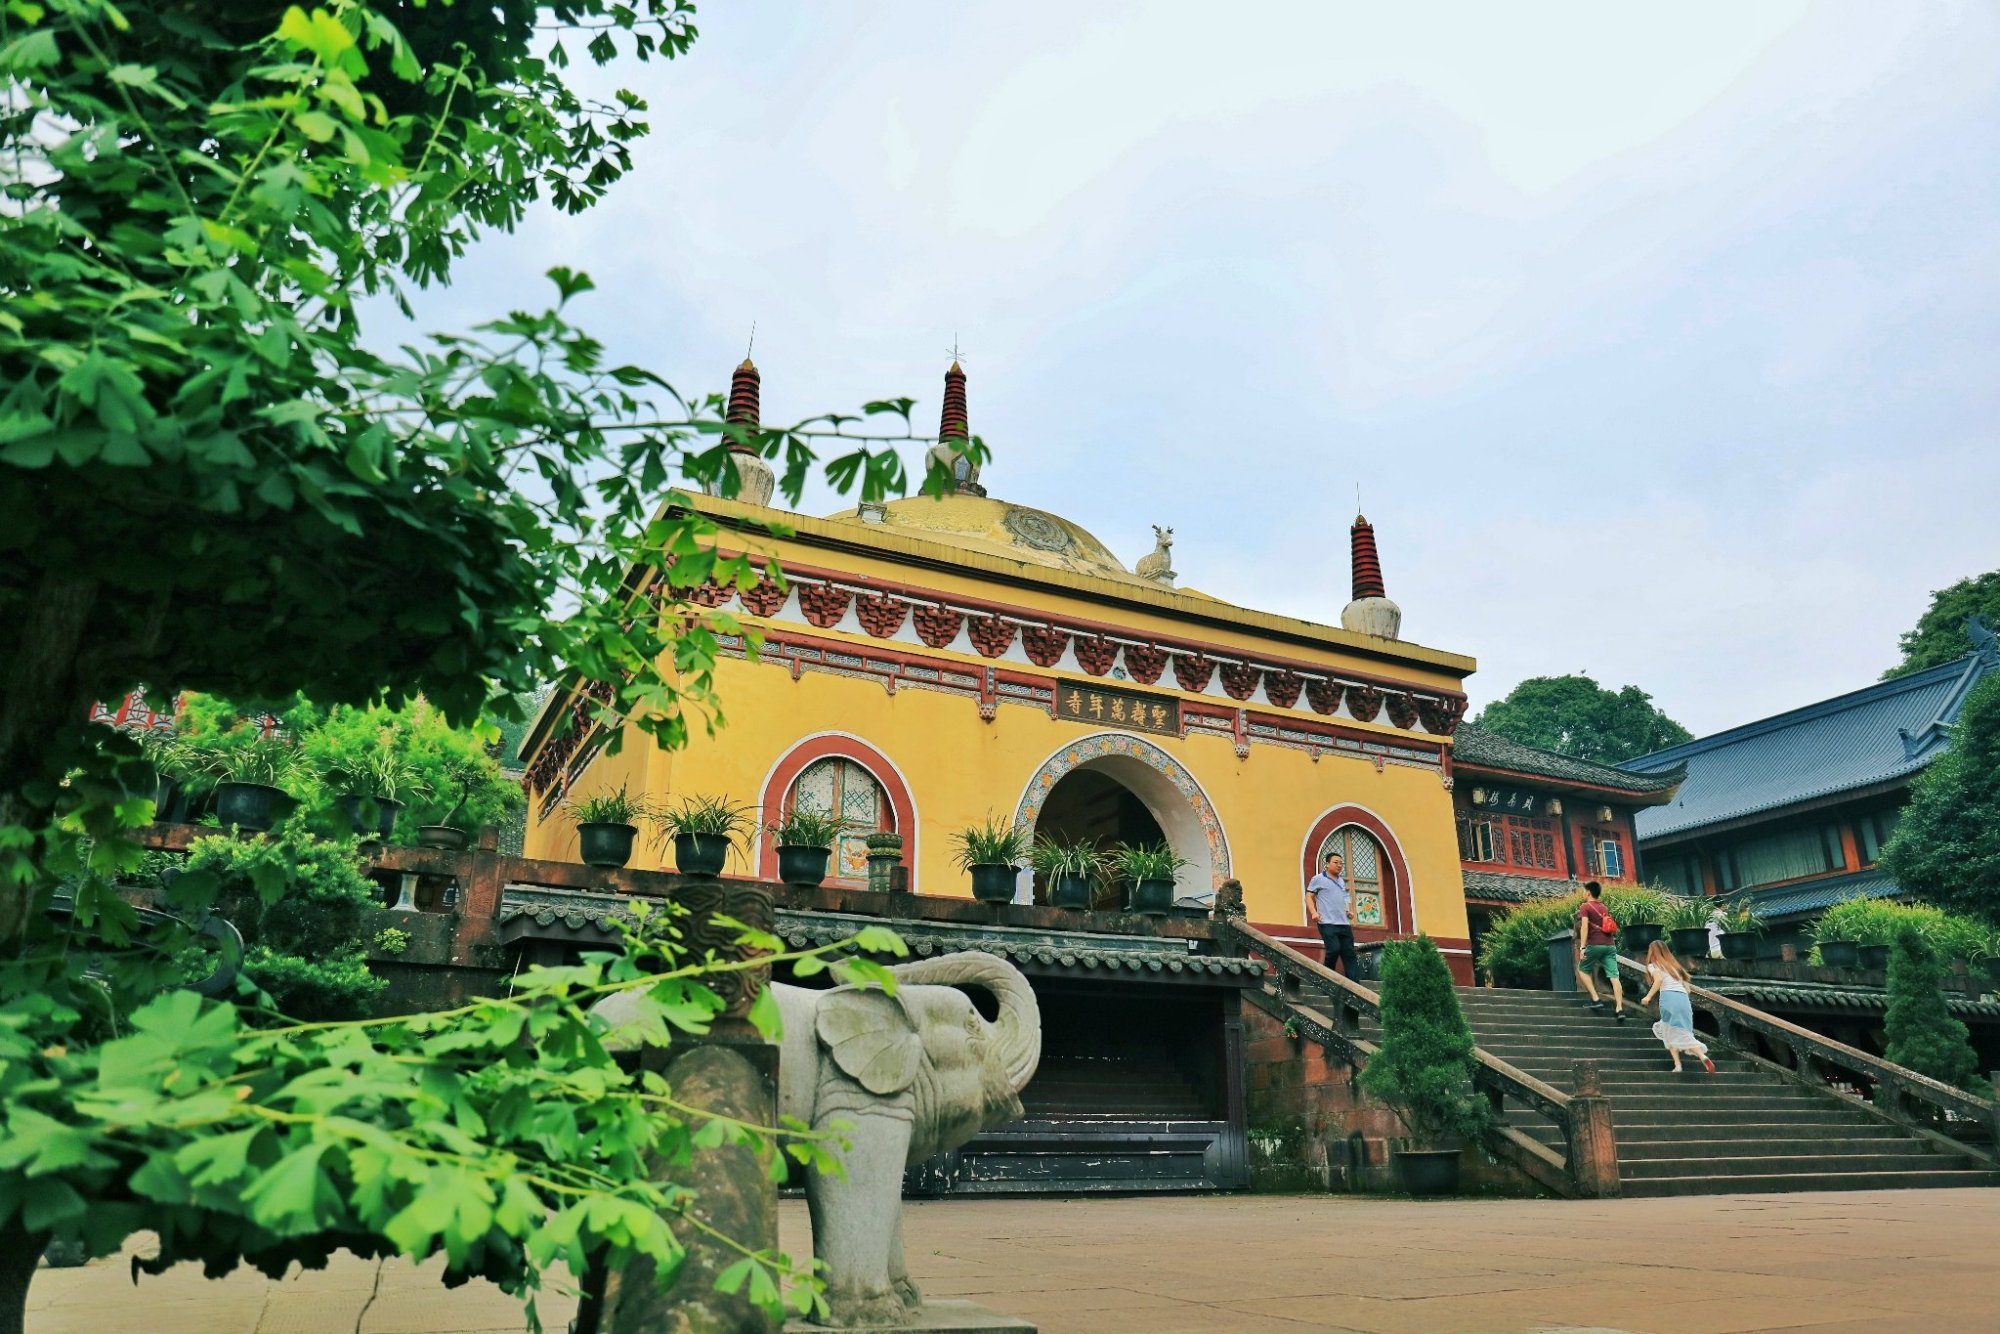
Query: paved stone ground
x,y
1891,1261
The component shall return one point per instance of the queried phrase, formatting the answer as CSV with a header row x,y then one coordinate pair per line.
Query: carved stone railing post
x,y
1593,1147
732,1073
885,854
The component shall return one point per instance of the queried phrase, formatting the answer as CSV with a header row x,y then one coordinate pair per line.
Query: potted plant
x,y
252,774
1067,869
805,844
1424,1066
1687,926
179,771
1148,870
703,830
992,851
372,784
1741,925
1835,941
448,829
606,825
1641,915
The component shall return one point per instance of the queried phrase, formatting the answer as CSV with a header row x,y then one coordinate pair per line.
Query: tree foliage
x,y
1946,848
212,479
1424,1065
1939,635
1573,715
1920,1031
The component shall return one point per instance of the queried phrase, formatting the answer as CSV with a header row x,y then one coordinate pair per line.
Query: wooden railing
x,y
1914,1102
1329,1009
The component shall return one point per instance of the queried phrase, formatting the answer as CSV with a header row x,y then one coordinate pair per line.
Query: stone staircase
x,y
1740,1129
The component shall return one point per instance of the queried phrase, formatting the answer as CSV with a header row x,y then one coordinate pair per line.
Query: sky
x,y
1659,341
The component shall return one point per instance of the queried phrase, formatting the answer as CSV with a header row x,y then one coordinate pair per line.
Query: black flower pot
x,y
170,801
371,817
1690,942
1875,957
1992,971
252,806
802,866
1739,945
993,882
701,854
1840,953
1152,896
447,836
1641,934
1070,891
1426,1171
606,844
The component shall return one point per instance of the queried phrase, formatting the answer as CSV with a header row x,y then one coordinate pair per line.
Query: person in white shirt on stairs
x,y
1676,1027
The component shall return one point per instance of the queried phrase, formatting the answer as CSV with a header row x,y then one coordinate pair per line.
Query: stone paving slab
x,y
1887,1261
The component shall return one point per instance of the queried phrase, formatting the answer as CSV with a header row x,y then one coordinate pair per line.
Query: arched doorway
x,y
1126,789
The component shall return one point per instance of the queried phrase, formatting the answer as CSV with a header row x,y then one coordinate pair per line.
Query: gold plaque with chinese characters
x,y
1129,709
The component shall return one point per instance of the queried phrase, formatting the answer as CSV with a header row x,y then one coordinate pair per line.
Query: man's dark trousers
x,y
1339,943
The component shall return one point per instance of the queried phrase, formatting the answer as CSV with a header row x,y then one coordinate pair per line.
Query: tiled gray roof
x,y
1886,731
1823,892
1083,950
1478,746
1506,887
1825,996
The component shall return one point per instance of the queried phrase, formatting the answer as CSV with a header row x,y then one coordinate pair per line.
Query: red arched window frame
x,y
1398,908
778,786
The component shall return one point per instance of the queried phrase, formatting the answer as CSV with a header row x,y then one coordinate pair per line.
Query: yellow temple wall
x,y
958,768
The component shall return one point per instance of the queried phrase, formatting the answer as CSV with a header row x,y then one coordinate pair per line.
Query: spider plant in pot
x,y
1687,926
250,792
703,830
179,768
606,825
804,838
1741,925
992,851
1066,870
372,785
1148,870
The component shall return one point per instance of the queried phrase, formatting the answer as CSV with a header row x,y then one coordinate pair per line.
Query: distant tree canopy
x,y
1947,845
1573,715
1939,634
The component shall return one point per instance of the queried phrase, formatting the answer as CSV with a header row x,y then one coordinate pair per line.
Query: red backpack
x,y
1605,921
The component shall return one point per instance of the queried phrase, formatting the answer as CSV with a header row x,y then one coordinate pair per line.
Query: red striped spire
x,y
1367,565
952,422
745,392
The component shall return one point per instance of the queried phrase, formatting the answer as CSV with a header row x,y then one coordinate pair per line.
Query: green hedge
x,y
1515,951
1882,921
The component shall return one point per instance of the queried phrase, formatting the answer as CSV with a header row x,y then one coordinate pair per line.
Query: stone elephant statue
x,y
913,1075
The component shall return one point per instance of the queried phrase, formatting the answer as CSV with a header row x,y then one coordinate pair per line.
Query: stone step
x,y
1713,1184
1801,1150
1653,1169
1793,1136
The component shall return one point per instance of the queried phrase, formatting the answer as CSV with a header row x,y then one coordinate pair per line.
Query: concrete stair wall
x,y
1743,1128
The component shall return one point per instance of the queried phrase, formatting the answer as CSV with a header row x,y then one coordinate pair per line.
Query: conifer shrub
x,y
1921,1032
1425,1065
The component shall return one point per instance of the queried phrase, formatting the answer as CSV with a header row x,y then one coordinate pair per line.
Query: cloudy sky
x,y
1660,340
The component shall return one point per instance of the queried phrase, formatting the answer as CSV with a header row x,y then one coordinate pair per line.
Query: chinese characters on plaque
x,y
1118,708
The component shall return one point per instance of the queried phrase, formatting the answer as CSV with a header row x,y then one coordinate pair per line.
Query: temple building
x,y
931,661
1794,809
1535,824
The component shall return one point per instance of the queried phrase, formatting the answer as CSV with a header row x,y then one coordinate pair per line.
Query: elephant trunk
x,y
1018,1030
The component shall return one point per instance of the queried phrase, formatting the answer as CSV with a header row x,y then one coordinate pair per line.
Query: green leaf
x,y
294,1197
316,126
34,50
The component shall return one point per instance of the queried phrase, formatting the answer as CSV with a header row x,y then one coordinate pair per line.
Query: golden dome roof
x,y
996,528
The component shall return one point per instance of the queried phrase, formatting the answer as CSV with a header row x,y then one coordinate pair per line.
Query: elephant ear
x,y
872,1038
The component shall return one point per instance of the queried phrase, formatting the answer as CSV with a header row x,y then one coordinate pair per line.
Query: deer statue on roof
x,y
1157,564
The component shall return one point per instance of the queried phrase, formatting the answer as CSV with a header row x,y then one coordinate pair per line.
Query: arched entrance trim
x,y
1156,778
1400,904
847,746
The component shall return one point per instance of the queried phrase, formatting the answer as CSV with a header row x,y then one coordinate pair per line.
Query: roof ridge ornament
x,y
1371,612
954,430
755,482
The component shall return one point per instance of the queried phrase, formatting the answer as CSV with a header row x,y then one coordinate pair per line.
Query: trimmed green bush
x,y
1922,1034
301,903
1881,921
1515,950
1425,1065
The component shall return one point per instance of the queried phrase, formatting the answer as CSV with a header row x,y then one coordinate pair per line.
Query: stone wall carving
x,y
1044,644
823,604
880,616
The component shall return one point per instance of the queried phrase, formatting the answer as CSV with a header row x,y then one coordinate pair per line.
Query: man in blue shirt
x,y
1326,906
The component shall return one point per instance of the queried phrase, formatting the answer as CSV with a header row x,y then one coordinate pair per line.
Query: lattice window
x,y
1532,843
841,785
1363,870
1480,839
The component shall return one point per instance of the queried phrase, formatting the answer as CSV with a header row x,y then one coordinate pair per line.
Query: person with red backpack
x,y
1597,950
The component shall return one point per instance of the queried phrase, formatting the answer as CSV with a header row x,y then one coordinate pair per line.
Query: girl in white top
x,y
1676,1027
